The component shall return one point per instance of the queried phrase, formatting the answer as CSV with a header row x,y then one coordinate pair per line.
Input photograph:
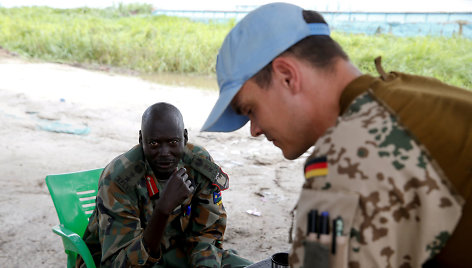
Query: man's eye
x,y
153,143
174,141
247,112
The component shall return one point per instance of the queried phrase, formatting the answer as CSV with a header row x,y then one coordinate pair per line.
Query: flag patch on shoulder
x,y
217,198
316,167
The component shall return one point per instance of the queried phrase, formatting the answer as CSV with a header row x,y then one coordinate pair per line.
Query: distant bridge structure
x,y
397,23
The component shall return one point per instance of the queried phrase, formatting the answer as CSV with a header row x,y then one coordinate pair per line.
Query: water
x,y
349,16
320,5
183,80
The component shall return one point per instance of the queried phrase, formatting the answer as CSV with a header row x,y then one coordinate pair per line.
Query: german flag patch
x,y
316,167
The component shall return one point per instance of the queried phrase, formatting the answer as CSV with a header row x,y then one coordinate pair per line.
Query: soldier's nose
x,y
255,129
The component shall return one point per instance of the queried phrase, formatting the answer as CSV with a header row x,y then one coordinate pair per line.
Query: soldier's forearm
x,y
154,232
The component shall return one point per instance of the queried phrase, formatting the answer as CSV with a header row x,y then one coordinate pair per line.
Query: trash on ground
x,y
60,127
253,212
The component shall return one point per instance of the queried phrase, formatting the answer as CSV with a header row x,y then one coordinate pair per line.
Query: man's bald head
x,y
161,111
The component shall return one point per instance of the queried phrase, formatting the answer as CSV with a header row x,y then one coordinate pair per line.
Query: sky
x,y
319,5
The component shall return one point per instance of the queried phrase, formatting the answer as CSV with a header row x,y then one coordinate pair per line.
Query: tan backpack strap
x,y
380,70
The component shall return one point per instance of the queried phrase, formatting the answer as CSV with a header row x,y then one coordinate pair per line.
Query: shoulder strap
x,y
127,169
208,169
380,70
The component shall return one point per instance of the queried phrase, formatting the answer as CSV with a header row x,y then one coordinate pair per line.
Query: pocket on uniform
x,y
339,204
316,255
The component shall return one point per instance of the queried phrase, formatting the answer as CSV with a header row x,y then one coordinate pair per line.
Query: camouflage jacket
x,y
123,208
397,207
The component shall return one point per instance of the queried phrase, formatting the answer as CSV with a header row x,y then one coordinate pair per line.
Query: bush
x,y
128,36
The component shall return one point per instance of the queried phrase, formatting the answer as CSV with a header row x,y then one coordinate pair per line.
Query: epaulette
x,y
126,170
208,169
129,177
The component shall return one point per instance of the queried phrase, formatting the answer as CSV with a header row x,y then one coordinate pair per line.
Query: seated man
x,y
159,204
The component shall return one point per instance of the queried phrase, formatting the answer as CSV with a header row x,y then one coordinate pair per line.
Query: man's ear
x,y
185,136
286,70
140,138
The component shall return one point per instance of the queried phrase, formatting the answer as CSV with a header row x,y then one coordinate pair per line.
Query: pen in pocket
x,y
323,234
338,226
313,223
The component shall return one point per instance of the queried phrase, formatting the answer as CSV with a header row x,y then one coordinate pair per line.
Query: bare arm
x,y
176,191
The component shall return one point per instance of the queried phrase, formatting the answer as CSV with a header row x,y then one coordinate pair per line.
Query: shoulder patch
x,y
126,172
316,167
129,177
217,198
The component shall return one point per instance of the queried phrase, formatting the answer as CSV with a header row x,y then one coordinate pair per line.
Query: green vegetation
x,y
130,37
447,59
140,42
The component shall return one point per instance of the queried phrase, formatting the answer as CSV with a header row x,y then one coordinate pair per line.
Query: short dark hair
x,y
319,50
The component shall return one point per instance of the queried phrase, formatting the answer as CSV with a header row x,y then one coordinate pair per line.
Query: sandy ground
x,y
35,94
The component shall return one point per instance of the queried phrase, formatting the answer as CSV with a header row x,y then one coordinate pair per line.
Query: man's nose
x,y
255,129
164,150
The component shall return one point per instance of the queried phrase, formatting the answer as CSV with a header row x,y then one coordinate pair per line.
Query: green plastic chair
x,y
74,196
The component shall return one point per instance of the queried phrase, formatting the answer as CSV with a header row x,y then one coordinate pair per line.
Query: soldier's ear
x,y
185,136
286,71
140,138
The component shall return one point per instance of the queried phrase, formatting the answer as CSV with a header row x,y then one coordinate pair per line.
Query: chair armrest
x,y
66,233
73,242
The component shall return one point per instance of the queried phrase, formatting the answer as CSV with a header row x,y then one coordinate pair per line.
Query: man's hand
x,y
178,188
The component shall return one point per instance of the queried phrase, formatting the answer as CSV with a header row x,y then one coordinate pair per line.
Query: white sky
x,y
319,5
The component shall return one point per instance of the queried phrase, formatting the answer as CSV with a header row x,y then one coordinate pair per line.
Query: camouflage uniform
x,y
194,232
397,205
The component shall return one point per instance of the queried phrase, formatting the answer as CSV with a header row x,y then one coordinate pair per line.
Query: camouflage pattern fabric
x,y
397,206
194,233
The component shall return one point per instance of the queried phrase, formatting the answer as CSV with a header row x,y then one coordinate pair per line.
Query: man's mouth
x,y
165,164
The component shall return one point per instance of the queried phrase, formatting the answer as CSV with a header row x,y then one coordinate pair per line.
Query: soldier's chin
x,y
290,154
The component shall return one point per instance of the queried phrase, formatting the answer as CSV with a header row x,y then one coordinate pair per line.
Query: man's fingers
x,y
181,172
188,183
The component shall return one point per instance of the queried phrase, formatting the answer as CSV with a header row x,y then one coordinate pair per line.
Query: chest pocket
x,y
312,250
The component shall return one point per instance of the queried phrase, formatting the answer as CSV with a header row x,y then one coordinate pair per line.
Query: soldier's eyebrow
x,y
155,138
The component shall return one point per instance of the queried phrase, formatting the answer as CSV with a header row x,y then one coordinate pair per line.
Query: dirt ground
x,y
34,94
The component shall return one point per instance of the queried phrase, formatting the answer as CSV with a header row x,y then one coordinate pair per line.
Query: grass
x,y
447,59
130,37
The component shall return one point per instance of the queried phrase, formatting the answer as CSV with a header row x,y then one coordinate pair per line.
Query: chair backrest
x,y
74,196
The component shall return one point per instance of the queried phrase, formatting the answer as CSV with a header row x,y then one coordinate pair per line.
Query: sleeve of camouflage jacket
x,y
120,230
207,226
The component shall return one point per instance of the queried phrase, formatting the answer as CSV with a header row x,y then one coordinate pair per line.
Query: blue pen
x,y
188,210
324,223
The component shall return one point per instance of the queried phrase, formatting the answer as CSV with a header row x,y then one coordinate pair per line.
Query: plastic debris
x,y
253,212
60,127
